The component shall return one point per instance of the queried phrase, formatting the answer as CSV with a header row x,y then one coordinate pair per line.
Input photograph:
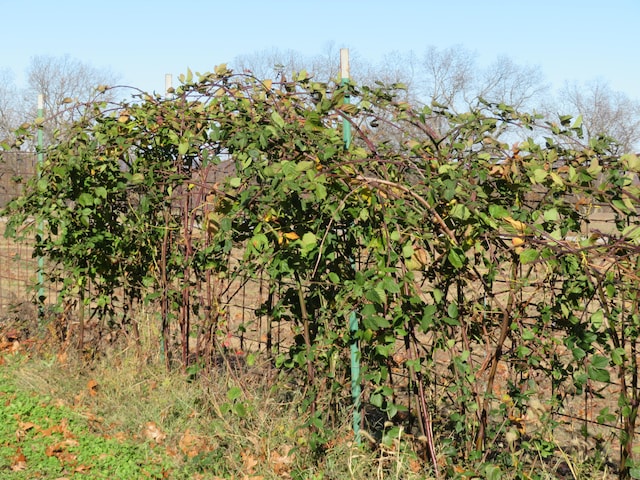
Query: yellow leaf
x,y
267,84
291,236
517,241
421,256
221,69
518,225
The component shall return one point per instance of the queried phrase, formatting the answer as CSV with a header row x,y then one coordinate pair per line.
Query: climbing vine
x,y
469,254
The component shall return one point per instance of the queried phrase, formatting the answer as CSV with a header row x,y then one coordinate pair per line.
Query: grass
x,y
122,415
119,417
44,438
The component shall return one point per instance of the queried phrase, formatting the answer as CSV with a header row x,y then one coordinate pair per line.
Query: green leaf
x,y
631,161
617,356
624,205
551,215
460,211
634,472
321,191
240,409
529,255
137,178
407,250
492,472
376,295
498,211
598,361
234,393
578,353
101,192
376,400
539,175
598,374
277,119
308,242
85,199
577,124
375,322
427,317
598,369
456,257
390,285
334,278
597,318
305,165
251,359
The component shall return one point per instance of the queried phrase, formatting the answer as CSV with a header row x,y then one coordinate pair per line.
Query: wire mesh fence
x,y
243,305
238,303
19,268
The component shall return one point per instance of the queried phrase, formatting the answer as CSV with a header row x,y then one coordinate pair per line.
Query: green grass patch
x,y
41,438
119,418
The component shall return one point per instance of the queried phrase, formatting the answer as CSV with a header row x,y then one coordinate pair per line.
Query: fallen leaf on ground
x,y
23,428
192,445
18,461
92,386
281,463
62,358
152,432
249,462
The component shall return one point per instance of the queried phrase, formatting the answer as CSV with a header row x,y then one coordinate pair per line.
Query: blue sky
x,y
142,40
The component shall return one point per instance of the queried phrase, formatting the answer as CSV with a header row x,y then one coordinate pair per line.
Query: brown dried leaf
x,y
18,461
92,386
249,462
23,428
47,432
191,445
62,358
152,432
282,463
59,450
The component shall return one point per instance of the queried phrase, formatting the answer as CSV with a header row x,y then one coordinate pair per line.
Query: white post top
x,y
40,102
168,82
344,63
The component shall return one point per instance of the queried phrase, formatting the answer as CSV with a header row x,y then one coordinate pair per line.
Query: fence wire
x,y
246,302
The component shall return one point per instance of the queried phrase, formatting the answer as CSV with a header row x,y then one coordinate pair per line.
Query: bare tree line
x,y
62,81
452,77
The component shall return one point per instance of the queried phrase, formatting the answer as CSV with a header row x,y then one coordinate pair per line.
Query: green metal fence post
x,y
353,320
40,229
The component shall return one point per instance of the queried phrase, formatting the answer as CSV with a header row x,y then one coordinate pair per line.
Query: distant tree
x,y
323,67
519,86
65,83
9,104
447,76
604,112
270,63
452,77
